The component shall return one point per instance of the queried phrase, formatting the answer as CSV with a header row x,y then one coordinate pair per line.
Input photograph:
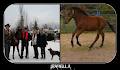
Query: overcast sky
x,y
44,13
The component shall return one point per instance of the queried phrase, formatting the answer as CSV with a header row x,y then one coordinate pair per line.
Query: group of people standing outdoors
x,y
38,39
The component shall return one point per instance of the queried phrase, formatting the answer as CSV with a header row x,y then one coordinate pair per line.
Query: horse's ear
x,y
73,11
62,13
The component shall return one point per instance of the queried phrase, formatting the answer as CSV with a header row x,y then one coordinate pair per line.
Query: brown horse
x,y
84,22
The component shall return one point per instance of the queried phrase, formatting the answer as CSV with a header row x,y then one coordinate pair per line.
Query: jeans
x,y
22,49
7,49
43,52
35,50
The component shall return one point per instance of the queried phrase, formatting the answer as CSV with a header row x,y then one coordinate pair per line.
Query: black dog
x,y
54,53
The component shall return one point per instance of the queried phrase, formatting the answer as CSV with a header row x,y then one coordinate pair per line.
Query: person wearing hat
x,y
7,38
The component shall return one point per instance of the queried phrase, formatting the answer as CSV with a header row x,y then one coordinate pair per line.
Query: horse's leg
x,y
77,36
73,34
103,35
97,37
13,51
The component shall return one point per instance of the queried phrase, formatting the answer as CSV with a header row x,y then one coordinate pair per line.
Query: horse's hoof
x,y
101,46
90,48
72,46
79,44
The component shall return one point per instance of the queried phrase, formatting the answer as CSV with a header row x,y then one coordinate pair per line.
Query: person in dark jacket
x,y
7,38
15,43
25,42
42,42
15,40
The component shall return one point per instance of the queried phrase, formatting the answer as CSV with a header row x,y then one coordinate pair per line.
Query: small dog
x,y
54,53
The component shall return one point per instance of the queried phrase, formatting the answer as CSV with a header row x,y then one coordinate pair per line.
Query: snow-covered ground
x,y
51,44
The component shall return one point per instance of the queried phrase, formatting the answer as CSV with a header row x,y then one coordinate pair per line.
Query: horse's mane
x,y
80,10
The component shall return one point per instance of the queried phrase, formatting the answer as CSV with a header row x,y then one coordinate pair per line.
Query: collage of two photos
x,y
60,33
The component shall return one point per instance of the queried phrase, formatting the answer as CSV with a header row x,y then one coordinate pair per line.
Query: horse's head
x,y
70,12
67,14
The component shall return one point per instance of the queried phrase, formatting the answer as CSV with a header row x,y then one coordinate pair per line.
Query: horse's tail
x,y
111,27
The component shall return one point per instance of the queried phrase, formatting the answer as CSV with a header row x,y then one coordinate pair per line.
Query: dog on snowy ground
x,y
52,52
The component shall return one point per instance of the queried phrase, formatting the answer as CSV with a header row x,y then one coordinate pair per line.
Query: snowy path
x,y
51,44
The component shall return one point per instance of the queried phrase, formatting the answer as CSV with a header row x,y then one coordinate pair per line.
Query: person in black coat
x,y
42,42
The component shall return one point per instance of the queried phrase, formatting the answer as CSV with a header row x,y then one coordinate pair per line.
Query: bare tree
x,y
21,23
35,25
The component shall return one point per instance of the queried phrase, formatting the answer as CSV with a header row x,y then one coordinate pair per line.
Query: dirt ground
x,y
81,54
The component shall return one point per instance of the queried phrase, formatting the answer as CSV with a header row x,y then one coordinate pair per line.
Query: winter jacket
x,y
7,36
34,39
41,40
18,35
25,38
